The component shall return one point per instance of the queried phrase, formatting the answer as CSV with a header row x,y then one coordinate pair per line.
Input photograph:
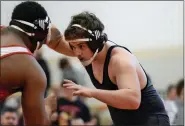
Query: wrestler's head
x,y
85,36
32,19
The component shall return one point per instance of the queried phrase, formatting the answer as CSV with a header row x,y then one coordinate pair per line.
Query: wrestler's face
x,y
81,50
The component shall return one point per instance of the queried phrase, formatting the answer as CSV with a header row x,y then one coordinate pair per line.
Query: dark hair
x,y
180,86
8,109
63,63
85,19
170,87
29,11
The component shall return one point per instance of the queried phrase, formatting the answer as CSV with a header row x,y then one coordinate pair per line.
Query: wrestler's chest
x,y
101,73
98,72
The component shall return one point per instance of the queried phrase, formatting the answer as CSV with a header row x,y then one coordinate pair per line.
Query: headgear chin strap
x,y
87,62
37,31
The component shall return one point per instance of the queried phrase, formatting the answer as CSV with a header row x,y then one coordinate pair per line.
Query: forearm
x,y
122,99
58,43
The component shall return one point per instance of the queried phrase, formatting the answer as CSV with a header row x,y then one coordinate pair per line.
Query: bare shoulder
x,y
30,67
17,69
122,61
121,57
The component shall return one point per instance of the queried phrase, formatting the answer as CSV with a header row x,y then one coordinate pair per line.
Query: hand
x,y
51,102
78,90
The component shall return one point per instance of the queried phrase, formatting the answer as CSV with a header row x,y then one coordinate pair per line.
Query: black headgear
x,y
37,31
95,38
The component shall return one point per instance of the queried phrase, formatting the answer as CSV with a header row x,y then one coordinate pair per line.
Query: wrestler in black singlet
x,y
151,111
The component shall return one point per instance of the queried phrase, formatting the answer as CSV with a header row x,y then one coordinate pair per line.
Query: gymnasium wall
x,y
152,30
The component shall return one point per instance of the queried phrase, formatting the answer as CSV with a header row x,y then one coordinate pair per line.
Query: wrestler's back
x,y
11,75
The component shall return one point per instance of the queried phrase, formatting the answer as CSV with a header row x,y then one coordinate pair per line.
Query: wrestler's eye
x,y
81,46
72,47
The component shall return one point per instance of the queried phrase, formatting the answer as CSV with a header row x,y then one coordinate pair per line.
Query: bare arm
x,y
33,94
128,96
58,43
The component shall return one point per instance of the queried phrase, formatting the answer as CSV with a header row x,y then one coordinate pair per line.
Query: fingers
x,y
71,86
67,81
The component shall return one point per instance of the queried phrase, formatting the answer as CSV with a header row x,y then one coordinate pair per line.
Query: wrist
x,y
93,92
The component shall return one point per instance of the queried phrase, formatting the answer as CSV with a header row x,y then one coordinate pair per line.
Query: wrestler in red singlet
x,y
20,71
7,51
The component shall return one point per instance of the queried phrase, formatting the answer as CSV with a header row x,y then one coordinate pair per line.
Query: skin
x,y
124,72
23,71
56,42
9,119
172,94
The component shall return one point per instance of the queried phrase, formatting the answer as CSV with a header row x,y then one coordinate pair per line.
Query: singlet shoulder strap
x,y
108,56
11,50
107,60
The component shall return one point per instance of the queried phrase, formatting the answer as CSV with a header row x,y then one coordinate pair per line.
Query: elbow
x,y
131,102
136,105
136,101
131,105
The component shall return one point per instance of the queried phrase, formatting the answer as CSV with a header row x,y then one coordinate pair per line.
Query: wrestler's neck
x,y
100,58
25,40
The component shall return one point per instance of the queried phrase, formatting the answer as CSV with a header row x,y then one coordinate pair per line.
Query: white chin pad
x,y
86,63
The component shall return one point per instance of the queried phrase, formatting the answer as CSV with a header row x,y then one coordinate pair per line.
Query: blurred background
x,y
152,30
